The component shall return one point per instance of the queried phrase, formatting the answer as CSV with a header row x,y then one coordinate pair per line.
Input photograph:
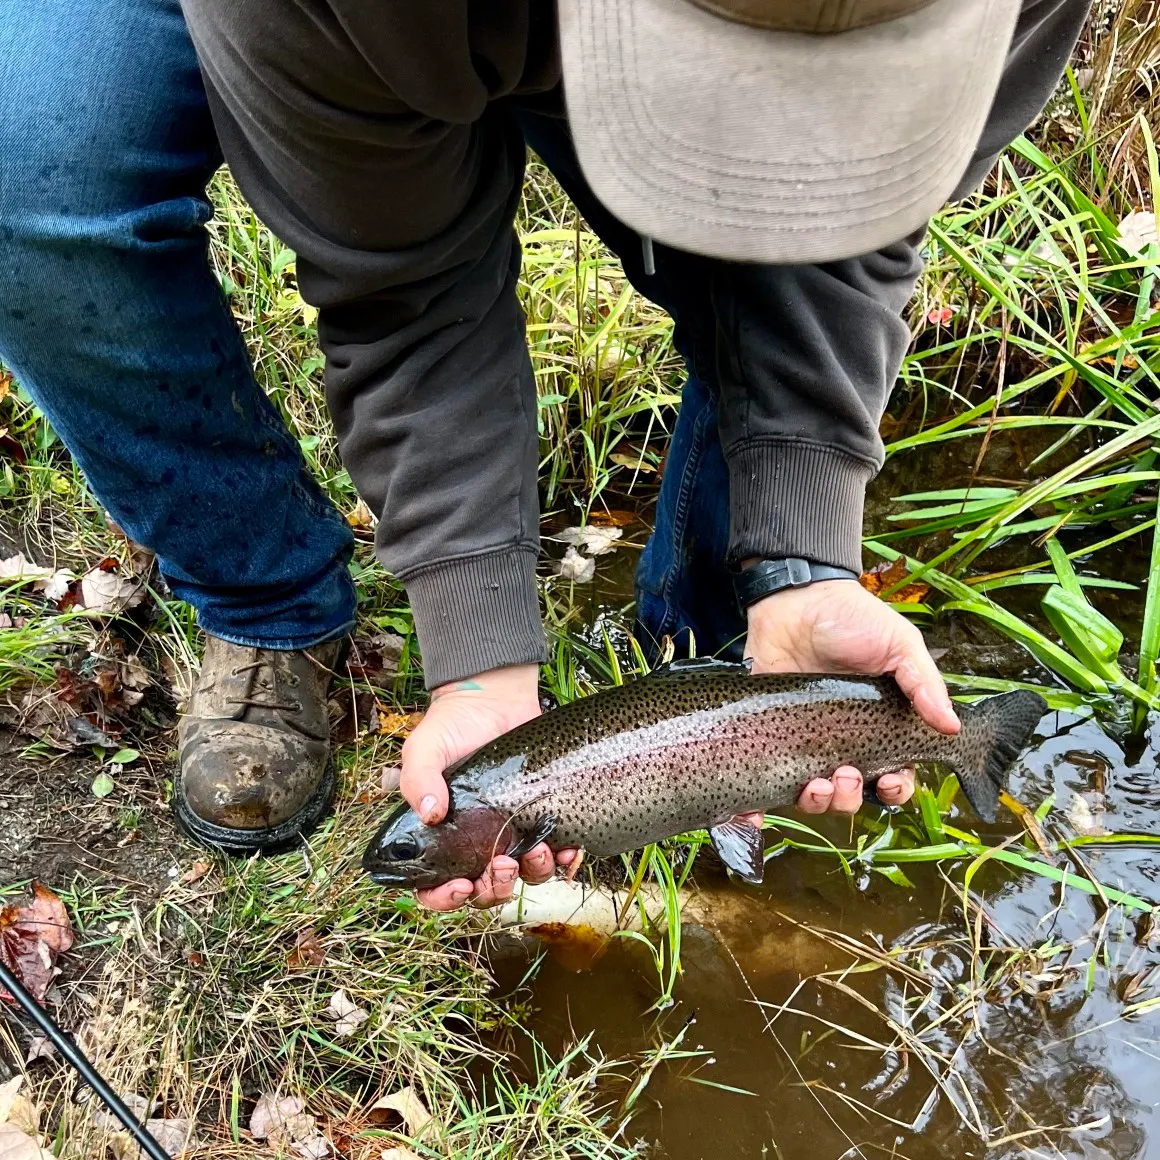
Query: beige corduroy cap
x,y
779,130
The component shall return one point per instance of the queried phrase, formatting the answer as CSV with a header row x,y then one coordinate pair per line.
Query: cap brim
x,y
723,139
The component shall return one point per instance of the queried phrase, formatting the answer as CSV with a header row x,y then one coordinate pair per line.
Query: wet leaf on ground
x,y
579,569
593,539
884,576
31,938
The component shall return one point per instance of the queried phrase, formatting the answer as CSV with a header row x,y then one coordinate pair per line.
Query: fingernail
x,y
458,896
503,877
426,806
819,797
847,781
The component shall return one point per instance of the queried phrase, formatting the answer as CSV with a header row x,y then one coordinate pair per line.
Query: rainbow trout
x,y
688,747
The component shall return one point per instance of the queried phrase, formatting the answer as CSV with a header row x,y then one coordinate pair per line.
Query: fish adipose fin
x,y
741,847
541,830
993,735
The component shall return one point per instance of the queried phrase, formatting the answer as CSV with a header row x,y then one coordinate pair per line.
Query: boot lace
x,y
271,702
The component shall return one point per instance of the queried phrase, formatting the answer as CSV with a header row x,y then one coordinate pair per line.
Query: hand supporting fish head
x,y
407,852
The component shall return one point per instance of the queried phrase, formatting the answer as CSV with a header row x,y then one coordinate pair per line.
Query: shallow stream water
x,y
832,1021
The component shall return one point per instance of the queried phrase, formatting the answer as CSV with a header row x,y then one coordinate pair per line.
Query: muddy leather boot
x,y
256,771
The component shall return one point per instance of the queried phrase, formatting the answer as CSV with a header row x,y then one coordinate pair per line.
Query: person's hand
x,y
836,626
462,717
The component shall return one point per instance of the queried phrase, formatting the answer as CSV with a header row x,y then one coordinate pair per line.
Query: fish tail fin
x,y
993,735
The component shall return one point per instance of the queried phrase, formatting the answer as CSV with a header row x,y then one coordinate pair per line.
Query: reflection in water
x,y
823,1022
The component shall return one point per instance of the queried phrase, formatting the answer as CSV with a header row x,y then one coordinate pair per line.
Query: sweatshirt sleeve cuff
x,y
791,498
476,613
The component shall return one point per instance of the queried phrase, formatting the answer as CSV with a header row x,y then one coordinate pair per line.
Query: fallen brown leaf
x,y
883,576
284,1121
195,873
614,517
31,938
308,951
281,1119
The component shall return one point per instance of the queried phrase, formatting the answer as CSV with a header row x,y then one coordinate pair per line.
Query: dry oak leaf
x,y
31,937
884,576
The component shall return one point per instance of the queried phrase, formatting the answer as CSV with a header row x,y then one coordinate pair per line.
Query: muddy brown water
x,y
1043,1062
1044,1042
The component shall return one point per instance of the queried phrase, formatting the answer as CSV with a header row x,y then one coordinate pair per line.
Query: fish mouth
x,y
385,873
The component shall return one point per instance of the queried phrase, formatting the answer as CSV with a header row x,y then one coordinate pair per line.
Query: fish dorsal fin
x,y
700,665
541,830
741,847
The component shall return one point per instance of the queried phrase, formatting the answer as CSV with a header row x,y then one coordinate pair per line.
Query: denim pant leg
x,y
683,587
112,320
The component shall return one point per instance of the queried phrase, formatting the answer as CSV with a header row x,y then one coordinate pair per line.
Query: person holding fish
x,y
764,169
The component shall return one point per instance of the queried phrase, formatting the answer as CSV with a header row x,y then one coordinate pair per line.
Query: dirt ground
x,y
54,829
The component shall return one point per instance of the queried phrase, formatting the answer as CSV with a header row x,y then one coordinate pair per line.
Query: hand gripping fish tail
x,y
993,735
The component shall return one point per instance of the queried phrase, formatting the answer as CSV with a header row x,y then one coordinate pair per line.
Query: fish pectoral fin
x,y
741,847
533,837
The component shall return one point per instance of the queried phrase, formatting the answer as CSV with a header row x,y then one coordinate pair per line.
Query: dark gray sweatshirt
x,y
378,139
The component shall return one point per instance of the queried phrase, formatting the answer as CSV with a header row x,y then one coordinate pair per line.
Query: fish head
x,y
407,852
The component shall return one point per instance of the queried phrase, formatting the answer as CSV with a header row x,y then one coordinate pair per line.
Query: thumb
x,y
421,779
918,677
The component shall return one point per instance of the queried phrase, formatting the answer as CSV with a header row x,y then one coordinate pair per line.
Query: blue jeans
x,y
114,323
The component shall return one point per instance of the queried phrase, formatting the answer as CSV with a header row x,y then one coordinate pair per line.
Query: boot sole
x,y
277,839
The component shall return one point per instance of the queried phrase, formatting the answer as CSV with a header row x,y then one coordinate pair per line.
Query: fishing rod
x,y
64,1043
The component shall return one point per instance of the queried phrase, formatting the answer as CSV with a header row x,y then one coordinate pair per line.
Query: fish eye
x,y
404,848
